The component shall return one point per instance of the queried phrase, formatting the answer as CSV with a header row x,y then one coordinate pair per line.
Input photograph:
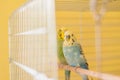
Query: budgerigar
x,y
73,53
62,60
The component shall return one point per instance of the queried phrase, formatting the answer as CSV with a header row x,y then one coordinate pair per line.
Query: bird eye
x,y
60,35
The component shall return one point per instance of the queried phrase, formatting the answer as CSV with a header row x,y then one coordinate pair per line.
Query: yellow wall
x,y
6,8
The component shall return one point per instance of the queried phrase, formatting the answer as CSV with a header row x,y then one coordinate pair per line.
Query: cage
x,y
32,37
33,44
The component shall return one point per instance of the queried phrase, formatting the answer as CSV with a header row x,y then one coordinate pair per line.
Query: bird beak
x,y
68,37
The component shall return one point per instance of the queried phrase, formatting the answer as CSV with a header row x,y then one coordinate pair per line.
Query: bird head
x,y
69,38
61,33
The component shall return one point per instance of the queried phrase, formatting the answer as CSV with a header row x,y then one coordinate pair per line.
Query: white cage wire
x,y
32,41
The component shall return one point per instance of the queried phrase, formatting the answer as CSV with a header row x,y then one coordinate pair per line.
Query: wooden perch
x,y
99,75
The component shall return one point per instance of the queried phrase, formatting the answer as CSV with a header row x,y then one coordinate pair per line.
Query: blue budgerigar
x,y
61,58
73,53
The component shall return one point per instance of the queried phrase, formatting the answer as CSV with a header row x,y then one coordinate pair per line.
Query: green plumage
x,y
60,54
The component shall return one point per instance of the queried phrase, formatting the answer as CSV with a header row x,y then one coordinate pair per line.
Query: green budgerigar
x,y
73,53
61,58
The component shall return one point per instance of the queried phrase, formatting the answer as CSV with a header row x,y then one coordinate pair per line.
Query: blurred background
x,y
74,15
